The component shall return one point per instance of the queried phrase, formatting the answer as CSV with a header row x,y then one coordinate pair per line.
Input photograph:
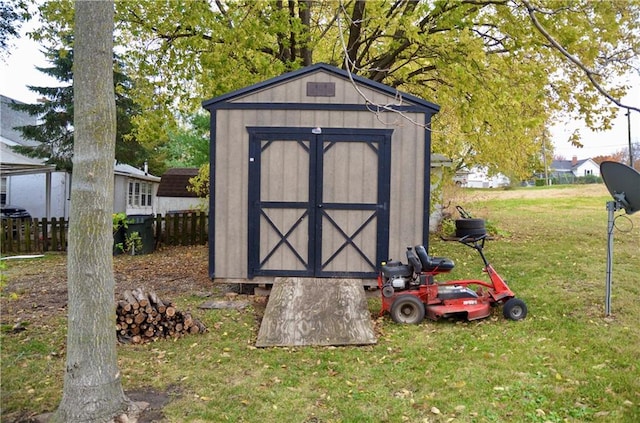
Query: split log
x,y
140,318
157,302
128,297
124,305
141,296
197,327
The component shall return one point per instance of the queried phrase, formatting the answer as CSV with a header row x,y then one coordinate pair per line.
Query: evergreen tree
x,y
55,110
54,132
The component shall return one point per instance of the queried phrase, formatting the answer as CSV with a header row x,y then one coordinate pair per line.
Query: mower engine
x,y
399,282
397,276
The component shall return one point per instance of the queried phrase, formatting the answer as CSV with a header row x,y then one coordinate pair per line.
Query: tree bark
x,y
92,386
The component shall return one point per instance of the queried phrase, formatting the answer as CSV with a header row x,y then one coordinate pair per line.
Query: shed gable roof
x,y
174,182
224,99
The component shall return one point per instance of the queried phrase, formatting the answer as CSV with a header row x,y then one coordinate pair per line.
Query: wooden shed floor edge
x,y
309,311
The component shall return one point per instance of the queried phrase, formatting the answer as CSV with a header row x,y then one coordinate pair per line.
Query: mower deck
x,y
470,311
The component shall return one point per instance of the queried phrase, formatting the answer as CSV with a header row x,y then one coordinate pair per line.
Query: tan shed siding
x,y
231,174
321,118
285,173
344,163
349,221
283,257
295,91
231,178
350,176
407,164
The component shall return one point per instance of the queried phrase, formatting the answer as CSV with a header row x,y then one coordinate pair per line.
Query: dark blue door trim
x,y
316,211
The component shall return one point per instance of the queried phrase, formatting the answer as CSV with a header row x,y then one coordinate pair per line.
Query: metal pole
x,y
544,159
629,137
611,208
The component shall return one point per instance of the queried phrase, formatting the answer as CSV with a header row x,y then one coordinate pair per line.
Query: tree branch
x,y
588,72
355,30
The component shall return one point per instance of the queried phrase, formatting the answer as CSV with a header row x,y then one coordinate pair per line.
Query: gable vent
x,y
321,89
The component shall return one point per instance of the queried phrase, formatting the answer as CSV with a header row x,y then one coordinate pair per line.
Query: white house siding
x,y
589,167
29,192
479,178
177,204
123,175
120,189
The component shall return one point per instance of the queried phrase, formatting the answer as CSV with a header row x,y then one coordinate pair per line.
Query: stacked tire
x,y
470,227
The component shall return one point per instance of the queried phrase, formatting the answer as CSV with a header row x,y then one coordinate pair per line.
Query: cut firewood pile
x,y
143,317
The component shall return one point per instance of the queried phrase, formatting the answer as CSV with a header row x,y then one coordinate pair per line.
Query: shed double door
x,y
318,202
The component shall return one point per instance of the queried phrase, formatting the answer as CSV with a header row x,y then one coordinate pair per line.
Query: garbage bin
x,y
142,224
118,240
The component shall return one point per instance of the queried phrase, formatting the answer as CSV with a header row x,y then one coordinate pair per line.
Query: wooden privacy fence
x,y
25,236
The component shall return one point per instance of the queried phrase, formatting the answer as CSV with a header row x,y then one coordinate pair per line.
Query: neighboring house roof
x,y
133,172
11,119
440,160
12,163
567,165
174,182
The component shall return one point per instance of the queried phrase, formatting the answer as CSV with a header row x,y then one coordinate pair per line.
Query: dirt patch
x,y
36,289
156,400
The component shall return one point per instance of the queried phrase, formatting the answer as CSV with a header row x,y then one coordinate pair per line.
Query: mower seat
x,y
432,264
414,261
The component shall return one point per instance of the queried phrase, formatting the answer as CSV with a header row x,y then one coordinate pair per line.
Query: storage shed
x,y
314,176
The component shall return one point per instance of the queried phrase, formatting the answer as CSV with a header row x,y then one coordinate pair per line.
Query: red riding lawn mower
x,y
409,291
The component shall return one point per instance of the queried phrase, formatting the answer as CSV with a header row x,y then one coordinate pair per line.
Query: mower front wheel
x,y
407,309
514,309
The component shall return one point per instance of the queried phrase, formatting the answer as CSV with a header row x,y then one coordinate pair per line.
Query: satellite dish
x,y
623,183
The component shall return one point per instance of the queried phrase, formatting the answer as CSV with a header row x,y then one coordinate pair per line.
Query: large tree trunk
x,y
92,387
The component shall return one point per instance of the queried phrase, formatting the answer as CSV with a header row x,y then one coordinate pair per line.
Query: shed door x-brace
x,y
318,202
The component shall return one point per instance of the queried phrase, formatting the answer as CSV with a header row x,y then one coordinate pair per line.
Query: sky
x,y
19,70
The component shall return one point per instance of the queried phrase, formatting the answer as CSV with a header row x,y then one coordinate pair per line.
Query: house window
x,y
145,195
3,192
140,194
588,172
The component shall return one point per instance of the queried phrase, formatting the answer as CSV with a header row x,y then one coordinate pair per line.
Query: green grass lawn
x,y
565,362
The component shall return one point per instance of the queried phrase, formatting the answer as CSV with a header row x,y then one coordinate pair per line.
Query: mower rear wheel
x,y
514,309
407,309
470,227
470,223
